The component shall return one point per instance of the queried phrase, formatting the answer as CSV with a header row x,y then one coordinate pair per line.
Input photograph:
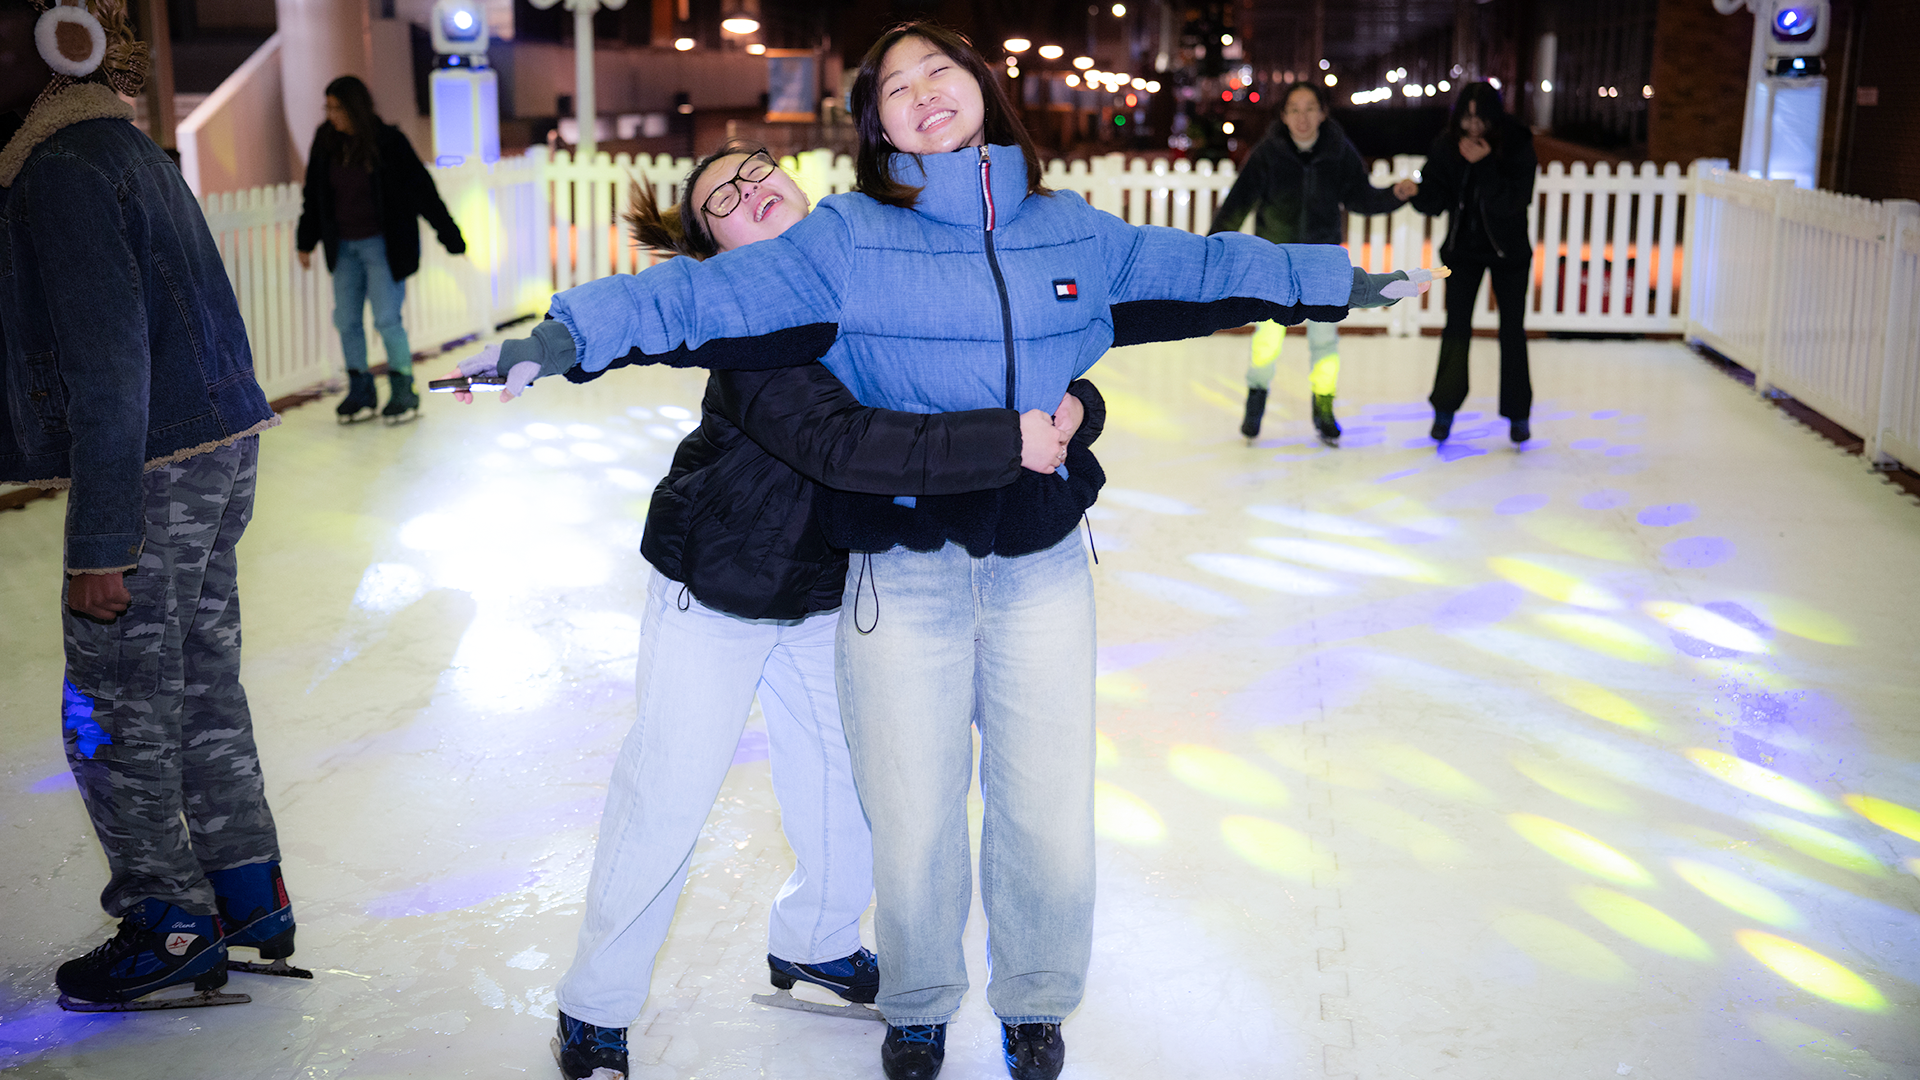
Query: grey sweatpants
x,y
155,722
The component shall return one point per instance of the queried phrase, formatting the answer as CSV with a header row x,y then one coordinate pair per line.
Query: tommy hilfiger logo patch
x,y
1065,289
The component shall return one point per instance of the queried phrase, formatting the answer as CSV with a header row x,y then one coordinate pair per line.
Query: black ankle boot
x,y
1256,408
1442,426
359,402
1323,422
1519,432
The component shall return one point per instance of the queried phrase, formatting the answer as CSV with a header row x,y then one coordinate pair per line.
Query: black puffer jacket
x,y
734,519
1488,199
1302,202
402,191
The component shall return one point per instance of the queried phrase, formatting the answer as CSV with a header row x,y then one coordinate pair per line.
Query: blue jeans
x,y
698,671
360,275
1007,645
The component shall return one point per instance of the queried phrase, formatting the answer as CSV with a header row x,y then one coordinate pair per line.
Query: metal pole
x,y
585,110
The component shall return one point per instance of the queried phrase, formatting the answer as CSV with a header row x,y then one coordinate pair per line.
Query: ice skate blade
x,y
602,1073
356,417
278,967
187,1001
784,999
403,418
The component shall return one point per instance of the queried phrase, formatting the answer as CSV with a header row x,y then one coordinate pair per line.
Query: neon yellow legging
x,y
1323,348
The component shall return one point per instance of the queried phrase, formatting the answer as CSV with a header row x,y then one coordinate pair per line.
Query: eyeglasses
x,y
724,199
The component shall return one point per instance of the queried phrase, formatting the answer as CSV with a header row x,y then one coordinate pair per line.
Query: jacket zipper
x,y
1486,226
993,261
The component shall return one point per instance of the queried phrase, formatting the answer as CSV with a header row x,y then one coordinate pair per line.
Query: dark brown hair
x,y
872,177
359,148
680,229
1319,94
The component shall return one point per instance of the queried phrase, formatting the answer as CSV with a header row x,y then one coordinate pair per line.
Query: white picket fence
x,y
1816,292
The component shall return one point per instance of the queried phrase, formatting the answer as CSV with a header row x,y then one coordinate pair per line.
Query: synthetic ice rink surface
x,y
1595,760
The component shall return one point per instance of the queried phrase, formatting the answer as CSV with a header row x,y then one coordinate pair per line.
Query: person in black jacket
x,y
1480,172
744,596
1301,181
365,186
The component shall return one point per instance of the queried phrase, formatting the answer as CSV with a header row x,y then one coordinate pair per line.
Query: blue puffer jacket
x,y
123,345
982,296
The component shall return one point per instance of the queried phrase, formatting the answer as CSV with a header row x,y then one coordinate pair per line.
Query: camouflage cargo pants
x,y
155,722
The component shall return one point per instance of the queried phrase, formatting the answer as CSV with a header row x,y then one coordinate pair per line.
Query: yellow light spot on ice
x,y
1105,753
1270,846
1585,789
1119,688
1560,946
1736,892
1890,816
1816,1052
1579,850
1554,584
1421,769
1217,772
1818,843
1637,920
1601,704
1137,415
1801,620
1764,782
1345,557
1603,635
1121,815
1698,622
1810,971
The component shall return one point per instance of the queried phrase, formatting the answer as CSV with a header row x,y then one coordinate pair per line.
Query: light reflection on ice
x,y
388,587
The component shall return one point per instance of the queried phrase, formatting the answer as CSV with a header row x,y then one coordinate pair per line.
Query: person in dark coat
x,y
365,186
1300,182
1480,173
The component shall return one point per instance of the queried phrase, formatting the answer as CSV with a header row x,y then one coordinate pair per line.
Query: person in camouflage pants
x,y
128,378
154,717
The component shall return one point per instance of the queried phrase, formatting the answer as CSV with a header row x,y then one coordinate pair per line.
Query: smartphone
x,y
469,384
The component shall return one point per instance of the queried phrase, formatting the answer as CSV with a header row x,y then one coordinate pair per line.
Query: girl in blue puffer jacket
x,y
953,280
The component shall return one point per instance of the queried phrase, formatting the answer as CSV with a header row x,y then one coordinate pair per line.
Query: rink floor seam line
x,y
1339,1059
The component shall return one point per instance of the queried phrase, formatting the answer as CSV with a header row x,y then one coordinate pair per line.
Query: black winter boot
x,y
1256,408
1033,1051
360,402
1323,422
402,404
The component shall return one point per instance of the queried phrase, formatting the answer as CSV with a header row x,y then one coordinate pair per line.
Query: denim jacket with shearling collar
x,y
121,343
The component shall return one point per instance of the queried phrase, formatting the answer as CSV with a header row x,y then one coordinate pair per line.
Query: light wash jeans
x,y
1006,644
361,275
698,671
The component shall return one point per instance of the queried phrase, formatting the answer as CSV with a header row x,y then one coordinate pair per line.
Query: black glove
x,y
1366,289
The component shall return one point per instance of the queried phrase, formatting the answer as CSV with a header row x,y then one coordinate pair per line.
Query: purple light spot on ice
x,y
1606,414
1414,444
1351,441
1401,473
1696,551
1693,646
1520,504
1588,444
1461,418
1403,414
1604,499
1453,452
752,747
1667,514
450,894
1114,658
1623,451
60,781
1479,606
1735,613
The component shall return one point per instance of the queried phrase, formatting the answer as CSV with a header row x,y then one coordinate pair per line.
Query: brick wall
x,y
1881,154
1699,81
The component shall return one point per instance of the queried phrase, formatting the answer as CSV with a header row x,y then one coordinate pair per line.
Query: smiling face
x,y
929,104
767,207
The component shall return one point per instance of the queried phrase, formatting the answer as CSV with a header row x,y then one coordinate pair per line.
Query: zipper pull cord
x,y
1088,522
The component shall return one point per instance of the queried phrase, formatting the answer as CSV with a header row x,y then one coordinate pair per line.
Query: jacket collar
x,y
85,101
950,183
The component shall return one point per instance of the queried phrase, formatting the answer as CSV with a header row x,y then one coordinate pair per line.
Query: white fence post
x,y
1896,428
